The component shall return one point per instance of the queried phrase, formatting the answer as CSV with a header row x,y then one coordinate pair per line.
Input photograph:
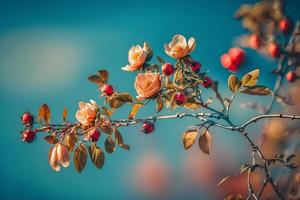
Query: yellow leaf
x,y
159,103
64,114
205,141
233,83
251,78
44,113
135,108
257,90
189,138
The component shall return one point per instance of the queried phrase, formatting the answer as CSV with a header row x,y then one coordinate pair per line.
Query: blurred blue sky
x,y
47,50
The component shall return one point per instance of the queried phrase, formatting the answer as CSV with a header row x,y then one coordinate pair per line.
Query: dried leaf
x,y
257,90
109,145
233,83
70,141
52,158
51,139
135,108
118,99
119,140
159,103
63,155
178,77
223,180
251,78
191,103
97,155
189,138
205,141
95,79
64,114
104,75
80,157
44,113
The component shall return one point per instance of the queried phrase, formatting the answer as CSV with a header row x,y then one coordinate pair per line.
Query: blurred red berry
x,y
148,127
195,67
284,25
226,60
274,50
207,82
107,89
180,98
167,69
254,41
237,55
233,67
27,118
291,76
94,135
28,136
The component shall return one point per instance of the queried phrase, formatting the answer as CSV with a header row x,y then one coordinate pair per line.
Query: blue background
x,y
49,48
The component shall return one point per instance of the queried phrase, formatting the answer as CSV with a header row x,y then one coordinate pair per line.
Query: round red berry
x,y
254,41
195,67
291,76
167,69
207,82
237,55
234,67
180,98
226,60
94,135
274,50
148,127
28,136
284,25
107,89
27,118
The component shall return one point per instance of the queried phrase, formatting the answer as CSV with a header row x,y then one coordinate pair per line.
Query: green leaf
x,y
234,83
257,90
251,78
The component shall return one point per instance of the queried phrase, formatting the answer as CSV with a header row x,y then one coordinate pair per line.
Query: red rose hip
x,y
28,136
27,118
291,76
237,55
207,82
274,50
167,69
180,98
254,41
147,127
195,67
226,60
107,89
94,135
284,25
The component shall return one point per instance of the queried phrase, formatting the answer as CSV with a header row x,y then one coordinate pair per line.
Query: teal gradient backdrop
x,y
47,50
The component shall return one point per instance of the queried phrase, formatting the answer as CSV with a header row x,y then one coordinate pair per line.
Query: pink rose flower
x,y
136,57
178,47
87,112
147,85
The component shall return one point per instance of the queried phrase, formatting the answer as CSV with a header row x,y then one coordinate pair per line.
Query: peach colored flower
x,y
147,85
136,57
178,47
87,112
58,155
